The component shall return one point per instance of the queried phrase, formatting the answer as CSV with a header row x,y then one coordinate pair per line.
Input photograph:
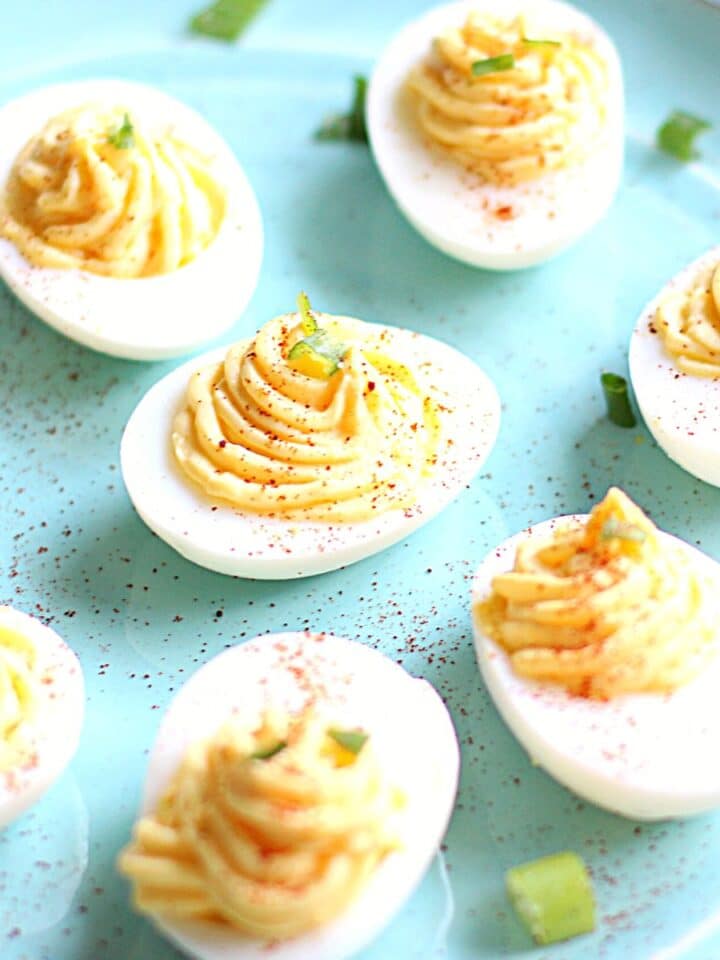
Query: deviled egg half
x,y
598,639
126,222
497,126
319,442
299,786
675,367
42,704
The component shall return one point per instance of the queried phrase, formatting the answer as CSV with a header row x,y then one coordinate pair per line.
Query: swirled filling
x,y
603,608
540,106
273,831
19,690
95,191
688,322
260,434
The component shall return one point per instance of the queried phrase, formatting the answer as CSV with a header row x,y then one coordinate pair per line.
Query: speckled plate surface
x,y
142,619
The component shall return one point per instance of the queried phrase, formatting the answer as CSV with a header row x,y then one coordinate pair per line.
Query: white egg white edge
x,y
681,411
643,756
443,201
248,545
58,723
148,318
413,738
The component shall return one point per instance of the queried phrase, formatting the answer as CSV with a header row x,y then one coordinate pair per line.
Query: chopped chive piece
x,y
619,410
226,19
552,897
506,61
304,358
347,126
541,43
269,751
618,529
122,137
351,740
307,318
677,135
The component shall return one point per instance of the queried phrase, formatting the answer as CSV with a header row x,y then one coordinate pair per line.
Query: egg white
x,y
681,411
644,756
413,739
221,538
57,724
146,318
449,206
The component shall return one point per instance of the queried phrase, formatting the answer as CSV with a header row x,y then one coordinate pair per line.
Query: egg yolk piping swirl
x,y
19,694
546,112
688,322
603,608
262,434
94,191
273,831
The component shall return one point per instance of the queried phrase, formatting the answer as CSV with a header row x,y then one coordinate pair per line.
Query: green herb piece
x,y
317,354
347,126
619,410
307,318
226,19
269,751
621,530
541,43
351,740
505,61
677,135
122,137
552,897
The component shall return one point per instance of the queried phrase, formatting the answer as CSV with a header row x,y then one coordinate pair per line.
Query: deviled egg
x,y
123,214
319,442
42,703
340,771
675,367
498,127
597,637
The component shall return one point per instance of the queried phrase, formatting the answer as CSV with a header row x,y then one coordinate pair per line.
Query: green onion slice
x,y
505,61
269,751
122,137
617,399
619,529
553,897
348,126
352,740
307,317
225,19
677,135
541,43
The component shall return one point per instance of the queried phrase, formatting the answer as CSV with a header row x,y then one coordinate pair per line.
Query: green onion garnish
x,y
541,43
347,126
614,529
505,61
351,740
122,137
226,19
269,751
619,410
307,318
323,353
553,897
677,135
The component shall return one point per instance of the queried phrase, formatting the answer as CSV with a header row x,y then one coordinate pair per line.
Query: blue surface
x,y
142,619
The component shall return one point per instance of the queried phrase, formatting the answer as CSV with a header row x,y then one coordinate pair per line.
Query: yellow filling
x,y
689,323
76,200
19,692
272,846
281,438
603,608
547,112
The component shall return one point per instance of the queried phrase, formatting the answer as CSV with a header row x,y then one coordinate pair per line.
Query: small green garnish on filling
x,y
307,317
347,126
350,740
541,43
317,354
677,135
614,529
617,400
267,752
553,897
226,19
505,61
122,137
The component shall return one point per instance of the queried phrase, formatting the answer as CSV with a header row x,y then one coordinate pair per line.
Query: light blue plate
x,y
142,619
